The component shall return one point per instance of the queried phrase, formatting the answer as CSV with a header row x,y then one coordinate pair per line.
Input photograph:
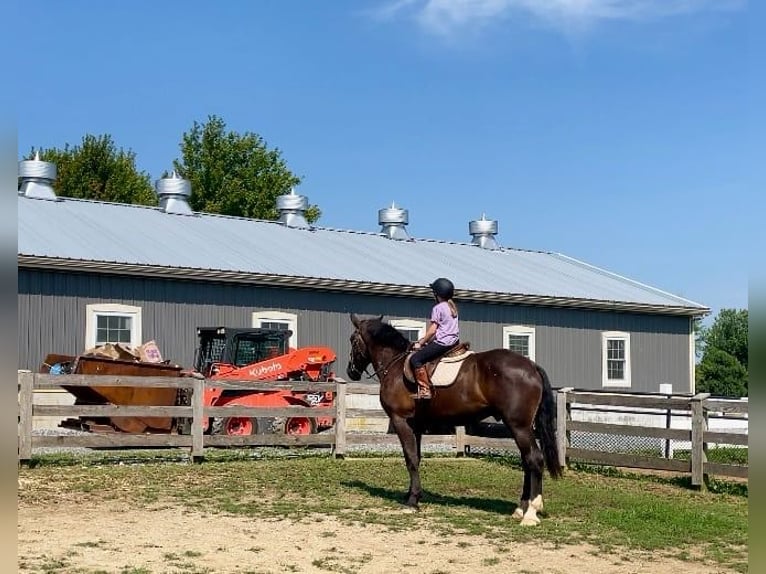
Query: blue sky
x,y
620,132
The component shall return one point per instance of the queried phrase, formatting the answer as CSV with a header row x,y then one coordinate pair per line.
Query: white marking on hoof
x,y
537,503
530,517
530,522
521,509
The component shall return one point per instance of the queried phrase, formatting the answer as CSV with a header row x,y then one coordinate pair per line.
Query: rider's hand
x,y
416,345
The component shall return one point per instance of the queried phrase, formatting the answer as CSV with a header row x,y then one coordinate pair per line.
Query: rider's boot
x,y
424,384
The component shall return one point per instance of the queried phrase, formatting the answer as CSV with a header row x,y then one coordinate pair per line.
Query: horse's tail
x,y
545,423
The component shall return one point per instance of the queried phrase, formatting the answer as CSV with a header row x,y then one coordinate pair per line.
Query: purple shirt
x,y
447,330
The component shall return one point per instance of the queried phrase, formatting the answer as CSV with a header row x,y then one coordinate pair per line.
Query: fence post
x,y
460,441
198,411
26,398
698,432
562,414
667,390
340,419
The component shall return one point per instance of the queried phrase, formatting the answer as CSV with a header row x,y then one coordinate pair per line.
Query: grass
x,y
723,455
615,511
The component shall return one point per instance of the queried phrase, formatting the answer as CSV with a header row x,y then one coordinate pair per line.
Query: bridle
x,y
362,351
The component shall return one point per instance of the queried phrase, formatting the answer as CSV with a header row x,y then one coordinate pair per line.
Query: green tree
x,y
234,174
729,332
721,374
97,169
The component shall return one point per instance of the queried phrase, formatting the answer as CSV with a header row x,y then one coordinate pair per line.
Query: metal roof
x,y
120,238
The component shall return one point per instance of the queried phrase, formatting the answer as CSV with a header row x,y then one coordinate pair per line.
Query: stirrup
x,y
422,394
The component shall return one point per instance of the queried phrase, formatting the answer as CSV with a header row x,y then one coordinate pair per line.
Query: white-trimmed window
x,y
112,323
278,320
412,330
615,361
521,339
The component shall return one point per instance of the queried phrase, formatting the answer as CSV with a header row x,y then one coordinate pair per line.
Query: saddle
x,y
443,371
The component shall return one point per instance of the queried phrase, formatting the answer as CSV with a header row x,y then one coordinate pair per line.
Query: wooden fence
x,y
339,438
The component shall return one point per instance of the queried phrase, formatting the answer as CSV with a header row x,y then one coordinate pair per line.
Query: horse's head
x,y
360,357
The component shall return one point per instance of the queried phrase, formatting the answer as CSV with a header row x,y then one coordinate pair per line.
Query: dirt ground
x,y
111,538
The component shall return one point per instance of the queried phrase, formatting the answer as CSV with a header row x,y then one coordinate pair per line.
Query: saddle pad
x,y
447,369
455,358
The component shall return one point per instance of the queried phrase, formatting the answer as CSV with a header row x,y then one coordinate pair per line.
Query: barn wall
x,y
52,315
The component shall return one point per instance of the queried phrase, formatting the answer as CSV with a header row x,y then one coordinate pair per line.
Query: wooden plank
x,y
736,470
26,409
628,460
617,400
113,440
727,416
56,381
46,381
601,410
726,406
371,439
629,430
111,410
297,386
244,411
198,408
363,388
340,421
321,439
366,413
698,432
392,439
712,437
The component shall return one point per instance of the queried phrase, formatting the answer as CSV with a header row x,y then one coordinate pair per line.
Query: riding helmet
x,y
443,288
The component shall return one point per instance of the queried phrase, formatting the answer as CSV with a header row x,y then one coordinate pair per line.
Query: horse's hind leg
x,y
532,463
411,448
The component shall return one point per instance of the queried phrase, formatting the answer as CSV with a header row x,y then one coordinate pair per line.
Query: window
x,y
615,366
112,323
521,339
278,320
412,330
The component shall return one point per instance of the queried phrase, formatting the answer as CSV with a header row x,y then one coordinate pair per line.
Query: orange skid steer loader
x,y
262,355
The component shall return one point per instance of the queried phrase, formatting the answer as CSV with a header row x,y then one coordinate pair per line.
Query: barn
x,y
92,272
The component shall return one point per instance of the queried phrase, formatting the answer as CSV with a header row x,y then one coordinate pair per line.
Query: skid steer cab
x,y
262,356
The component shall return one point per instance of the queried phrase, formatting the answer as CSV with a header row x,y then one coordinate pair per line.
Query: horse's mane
x,y
386,335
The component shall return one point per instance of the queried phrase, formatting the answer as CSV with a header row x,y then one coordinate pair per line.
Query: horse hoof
x,y
529,521
518,514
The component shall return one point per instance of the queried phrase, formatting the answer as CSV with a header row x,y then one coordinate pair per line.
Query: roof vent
x,y
292,208
394,220
483,232
36,178
174,192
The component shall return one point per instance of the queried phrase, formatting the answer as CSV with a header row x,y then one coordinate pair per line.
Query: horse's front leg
x,y
411,448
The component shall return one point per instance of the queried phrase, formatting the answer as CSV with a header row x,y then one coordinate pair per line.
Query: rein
x,y
384,370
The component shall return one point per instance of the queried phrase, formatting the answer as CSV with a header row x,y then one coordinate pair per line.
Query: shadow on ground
x,y
493,505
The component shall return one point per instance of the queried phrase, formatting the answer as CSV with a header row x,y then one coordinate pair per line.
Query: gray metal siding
x,y
52,316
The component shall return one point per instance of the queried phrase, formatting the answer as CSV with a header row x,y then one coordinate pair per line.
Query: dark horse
x,y
497,383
